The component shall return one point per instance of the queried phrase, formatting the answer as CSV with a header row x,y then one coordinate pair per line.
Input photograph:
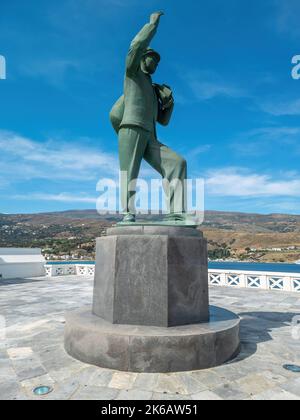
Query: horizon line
x,y
104,215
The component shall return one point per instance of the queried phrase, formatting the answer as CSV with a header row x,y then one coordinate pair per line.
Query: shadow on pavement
x,y
256,328
9,282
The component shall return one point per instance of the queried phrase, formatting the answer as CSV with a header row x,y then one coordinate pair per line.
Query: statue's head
x,y
150,61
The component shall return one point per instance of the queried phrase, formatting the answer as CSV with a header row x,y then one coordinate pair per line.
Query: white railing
x,y
54,270
288,282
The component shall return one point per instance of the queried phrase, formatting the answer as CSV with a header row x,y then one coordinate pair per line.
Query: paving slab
x,y
31,336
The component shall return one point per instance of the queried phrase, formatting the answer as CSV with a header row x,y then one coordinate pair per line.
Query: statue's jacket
x,y
139,106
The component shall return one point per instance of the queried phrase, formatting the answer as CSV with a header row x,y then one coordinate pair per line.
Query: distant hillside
x,y
222,220
235,235
280,223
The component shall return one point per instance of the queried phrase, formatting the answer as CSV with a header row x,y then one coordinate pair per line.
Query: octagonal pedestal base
x,y
152,349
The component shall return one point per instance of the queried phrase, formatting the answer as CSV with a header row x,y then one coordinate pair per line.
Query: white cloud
x,y
24,159
208,85
208,90
62,197
280,108
260,141
54,71
193,153
236,182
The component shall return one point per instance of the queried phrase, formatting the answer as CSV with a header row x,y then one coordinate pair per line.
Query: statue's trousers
x,y
136,144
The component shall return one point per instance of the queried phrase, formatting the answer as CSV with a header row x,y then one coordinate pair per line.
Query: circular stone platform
x,y
152,349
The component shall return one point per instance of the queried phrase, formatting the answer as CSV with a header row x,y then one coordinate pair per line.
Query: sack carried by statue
x,y
165,98
165,95
116,114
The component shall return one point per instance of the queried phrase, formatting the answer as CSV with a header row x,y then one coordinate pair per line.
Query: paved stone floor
x,y
32,353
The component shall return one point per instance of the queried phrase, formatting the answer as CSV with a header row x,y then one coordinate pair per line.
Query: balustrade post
x,y
223,279
264,281
287,284
243,280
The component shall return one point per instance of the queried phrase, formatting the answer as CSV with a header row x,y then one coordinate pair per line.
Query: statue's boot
x,y
175,217
183,218
129,218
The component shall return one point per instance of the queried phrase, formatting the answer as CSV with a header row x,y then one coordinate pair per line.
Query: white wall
x,y
21,262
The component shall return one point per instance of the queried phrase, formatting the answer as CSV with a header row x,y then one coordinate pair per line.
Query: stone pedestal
x,y
152,349
153,276
150,306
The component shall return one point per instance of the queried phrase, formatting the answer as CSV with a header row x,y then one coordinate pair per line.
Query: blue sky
x,y
237,107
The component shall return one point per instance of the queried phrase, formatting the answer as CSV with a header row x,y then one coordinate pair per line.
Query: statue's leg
x,y
173,168
132,144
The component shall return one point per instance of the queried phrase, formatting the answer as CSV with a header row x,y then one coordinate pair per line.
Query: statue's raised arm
x,y
141,42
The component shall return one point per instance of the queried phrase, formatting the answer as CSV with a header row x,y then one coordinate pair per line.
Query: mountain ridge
x,y
250,236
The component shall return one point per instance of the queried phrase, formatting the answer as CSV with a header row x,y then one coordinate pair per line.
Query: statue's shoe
x,y
175,217
182,219
129,218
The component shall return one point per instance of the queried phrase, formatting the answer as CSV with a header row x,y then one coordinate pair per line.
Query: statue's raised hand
x,y
155,17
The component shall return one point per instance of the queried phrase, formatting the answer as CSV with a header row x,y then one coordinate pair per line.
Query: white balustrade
x,y
54,270
288,282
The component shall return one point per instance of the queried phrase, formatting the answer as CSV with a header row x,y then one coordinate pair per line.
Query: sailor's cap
x,y
150,51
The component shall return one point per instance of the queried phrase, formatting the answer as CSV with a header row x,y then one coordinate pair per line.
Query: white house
x,y
21,262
